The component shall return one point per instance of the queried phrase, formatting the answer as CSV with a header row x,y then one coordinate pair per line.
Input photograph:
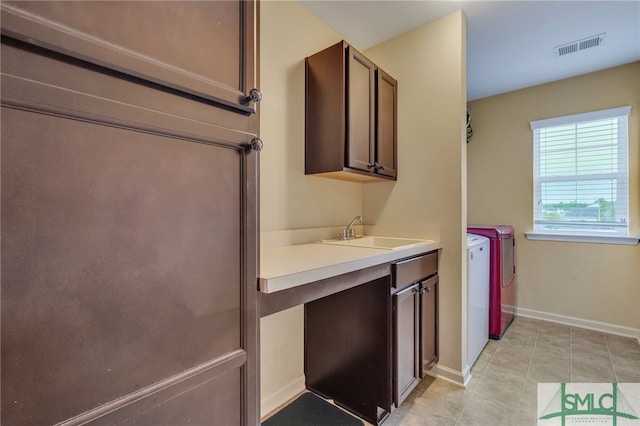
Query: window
x,y
581,183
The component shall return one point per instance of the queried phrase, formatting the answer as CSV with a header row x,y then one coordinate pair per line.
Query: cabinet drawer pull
x,y
411,289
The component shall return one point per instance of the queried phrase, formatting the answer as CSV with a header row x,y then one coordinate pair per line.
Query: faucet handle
x,y
345,234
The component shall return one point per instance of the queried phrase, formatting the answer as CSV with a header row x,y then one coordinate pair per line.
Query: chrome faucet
x,y
349,233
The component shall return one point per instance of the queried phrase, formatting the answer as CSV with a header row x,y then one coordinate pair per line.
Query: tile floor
x,y
503,386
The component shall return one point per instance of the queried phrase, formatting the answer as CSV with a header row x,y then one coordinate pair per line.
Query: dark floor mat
x,y
310,410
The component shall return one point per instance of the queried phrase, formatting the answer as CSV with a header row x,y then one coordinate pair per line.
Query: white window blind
x,y
581,181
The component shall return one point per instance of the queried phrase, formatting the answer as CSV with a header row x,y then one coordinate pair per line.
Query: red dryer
x,y
502,275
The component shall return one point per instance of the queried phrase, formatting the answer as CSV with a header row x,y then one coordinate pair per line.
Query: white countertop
x,y
294,265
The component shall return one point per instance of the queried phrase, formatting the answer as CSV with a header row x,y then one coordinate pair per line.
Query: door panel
x,y
407,341
218,383
173,43
387,124
196,406
360,143
429,325
123,243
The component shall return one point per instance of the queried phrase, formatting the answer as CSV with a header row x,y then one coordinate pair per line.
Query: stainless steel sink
x,y
383,243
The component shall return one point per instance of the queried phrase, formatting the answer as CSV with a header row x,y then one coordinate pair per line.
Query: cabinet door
x,y
386,131
406,304
129,217
360,111
205,49
428,325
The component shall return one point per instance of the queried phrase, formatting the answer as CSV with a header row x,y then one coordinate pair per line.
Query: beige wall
x,y
429,194
598,282
430,66
288,198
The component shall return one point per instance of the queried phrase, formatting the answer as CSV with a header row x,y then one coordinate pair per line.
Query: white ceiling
x,y
510,44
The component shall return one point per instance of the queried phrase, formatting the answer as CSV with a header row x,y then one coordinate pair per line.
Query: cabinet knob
x,y
379,166
427,289
256,144
254,96
371,166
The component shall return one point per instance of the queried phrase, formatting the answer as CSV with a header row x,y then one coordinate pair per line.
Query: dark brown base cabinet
x,y
368,347
415,321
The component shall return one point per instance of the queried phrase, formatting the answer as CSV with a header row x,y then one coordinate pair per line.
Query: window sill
x,y
573,238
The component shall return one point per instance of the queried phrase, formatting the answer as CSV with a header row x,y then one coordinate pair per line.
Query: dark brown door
x,y
360,111
406,342
128,214
429,325
386,133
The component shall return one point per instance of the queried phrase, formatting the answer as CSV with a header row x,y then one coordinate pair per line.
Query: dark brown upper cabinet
x,y
351,117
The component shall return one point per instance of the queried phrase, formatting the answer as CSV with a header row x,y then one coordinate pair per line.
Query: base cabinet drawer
x,y
414,269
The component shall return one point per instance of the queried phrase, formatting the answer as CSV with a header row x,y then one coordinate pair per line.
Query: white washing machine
x,y
477,296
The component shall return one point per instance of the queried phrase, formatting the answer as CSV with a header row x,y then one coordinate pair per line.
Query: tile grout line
x,y
613,367
571,354
488,364
526,374
464,406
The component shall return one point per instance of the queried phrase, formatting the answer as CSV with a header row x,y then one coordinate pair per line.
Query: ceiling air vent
x,y
578,45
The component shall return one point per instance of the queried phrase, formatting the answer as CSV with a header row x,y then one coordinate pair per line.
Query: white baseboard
x,y
579,322
282,396
466,374
454,376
